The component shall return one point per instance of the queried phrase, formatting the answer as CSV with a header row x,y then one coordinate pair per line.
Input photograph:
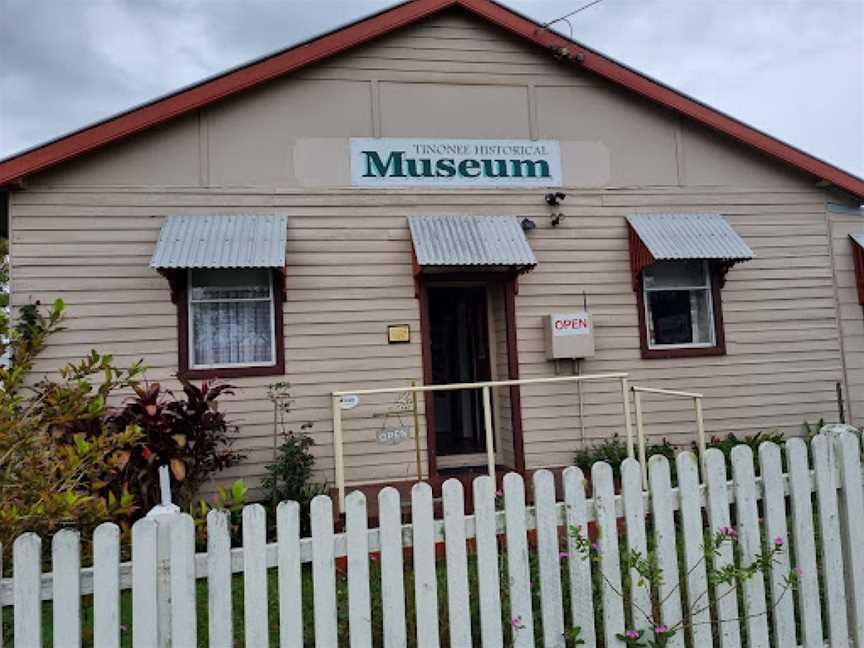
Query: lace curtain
x,y
231,314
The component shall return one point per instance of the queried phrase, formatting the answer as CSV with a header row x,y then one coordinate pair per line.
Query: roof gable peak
x,y
322,47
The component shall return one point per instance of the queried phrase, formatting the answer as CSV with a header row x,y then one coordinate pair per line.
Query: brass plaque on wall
x,y
398,333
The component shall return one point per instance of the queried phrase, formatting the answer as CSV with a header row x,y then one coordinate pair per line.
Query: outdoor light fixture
x,y
527,224
556,219
554,199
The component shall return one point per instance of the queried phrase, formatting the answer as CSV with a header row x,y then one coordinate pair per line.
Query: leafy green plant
x,y
812,430
290,477
188,434
232,500
648,630
614,451
60,464
725,445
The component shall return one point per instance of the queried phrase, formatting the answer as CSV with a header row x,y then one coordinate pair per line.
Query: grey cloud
x,y
792,68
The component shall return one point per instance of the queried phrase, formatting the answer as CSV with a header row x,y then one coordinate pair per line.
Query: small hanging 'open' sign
x,y
398,334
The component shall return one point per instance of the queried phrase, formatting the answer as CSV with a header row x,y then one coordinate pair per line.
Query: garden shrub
x,y
67,458
189,434
290,476
59,464
613,451
231,500
725,445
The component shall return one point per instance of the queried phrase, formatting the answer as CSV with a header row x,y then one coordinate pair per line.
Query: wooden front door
x,y
459,331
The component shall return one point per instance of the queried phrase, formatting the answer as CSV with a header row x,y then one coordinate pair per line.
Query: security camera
x,y
528,224
556,219
554,199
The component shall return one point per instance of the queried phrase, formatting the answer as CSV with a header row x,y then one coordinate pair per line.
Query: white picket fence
x,y
164,567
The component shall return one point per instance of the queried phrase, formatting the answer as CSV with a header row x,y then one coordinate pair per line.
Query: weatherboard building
x,y
447,192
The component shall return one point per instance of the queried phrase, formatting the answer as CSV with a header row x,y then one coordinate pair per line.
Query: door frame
x,y
510,287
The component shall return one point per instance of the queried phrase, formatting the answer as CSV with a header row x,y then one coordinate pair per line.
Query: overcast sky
x,y
793,68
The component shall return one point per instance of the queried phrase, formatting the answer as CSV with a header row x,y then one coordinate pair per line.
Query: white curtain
x,y
232,317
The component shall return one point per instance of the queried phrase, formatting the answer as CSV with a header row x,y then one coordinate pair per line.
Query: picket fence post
x,y
66,569
579,566
458,601
660,480
220,624
183,600
774,506
488,580
256,623
425,577
106,586
848,453
718,516
290,576
359,600
805,543
549,560
610,563
163,515
27,572
634,518
145,586
750,545
323,573
518,565
829,534
692,533
392,579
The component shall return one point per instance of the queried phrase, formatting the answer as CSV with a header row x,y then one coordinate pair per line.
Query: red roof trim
x,y
362,31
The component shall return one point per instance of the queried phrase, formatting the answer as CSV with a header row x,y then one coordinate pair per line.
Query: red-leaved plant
x,y
189,434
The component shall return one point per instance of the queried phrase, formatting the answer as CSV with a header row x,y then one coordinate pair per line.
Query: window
x,y
233,323
679,310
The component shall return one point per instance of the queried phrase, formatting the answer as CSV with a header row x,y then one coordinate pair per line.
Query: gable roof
x,y
330,44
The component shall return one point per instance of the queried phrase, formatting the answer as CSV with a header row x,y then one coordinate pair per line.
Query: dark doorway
x,y
459,336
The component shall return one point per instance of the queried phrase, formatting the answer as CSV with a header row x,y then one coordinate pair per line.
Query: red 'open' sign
x,y
571,324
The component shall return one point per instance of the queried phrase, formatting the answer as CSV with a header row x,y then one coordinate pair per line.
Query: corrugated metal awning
x,y
858,237
670,237
470,241
689,236
222,241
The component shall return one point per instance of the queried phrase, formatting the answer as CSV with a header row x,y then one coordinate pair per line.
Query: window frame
x,y
718,347
184,336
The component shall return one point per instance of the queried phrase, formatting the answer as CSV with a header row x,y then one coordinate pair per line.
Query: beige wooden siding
x,y
349,275
851,312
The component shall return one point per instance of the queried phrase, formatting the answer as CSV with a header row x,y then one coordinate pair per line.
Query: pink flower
x,y
778,541
499,493
564,554
516,622
631,634
660,629
595,546
729,531
798,571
